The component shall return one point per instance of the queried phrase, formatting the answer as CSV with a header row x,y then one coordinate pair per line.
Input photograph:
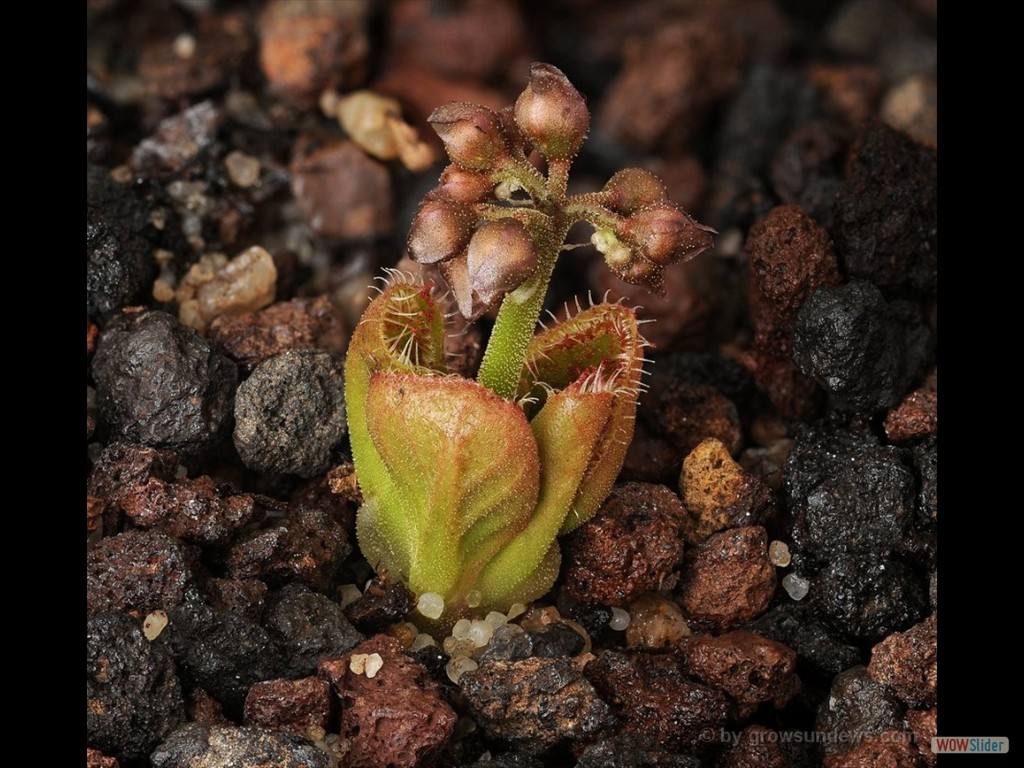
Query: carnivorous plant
x,y
468,484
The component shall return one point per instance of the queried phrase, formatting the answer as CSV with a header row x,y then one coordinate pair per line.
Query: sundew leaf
x,y
599,350
465,464
605,335
401,330
568,431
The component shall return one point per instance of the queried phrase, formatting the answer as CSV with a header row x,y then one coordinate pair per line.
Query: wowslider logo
x,y
944,745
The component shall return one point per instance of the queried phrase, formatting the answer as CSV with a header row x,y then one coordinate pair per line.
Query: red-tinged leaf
x,y
464,462
604,337
600,350
568,430
401,330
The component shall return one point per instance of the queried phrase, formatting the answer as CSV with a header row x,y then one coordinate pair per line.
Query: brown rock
x,y
92,332
683,314
852,90
173,67
308,546
748,666
194,510
650,459
301,706
729,578
915,417
534,703
91,414
243,596
396,718
96,759
473,41
629,547
308,46
717,493
923,723
755,747
120,468
794,395
343,192
790,256
669,82
202,708
655,622
136,572
651,695
687,412
907,662
94,518
335,492
889,749
253,337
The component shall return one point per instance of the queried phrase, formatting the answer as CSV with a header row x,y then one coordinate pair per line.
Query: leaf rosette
x,y
466,492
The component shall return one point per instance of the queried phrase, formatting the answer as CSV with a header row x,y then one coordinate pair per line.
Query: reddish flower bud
x,y
462,185
500,257
639,272
456,274
552,113
631,189
663,234
471,134
440,231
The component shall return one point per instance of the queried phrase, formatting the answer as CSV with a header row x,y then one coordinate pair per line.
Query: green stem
x,y
503,361
558,178
587,208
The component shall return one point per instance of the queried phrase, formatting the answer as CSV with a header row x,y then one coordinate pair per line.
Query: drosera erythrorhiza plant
x,y
467,484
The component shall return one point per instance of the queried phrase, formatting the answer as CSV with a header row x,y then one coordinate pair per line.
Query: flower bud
x,y
501,255
631,189
462,185
471,134
552,113
440,231
456,275
664,235
640,272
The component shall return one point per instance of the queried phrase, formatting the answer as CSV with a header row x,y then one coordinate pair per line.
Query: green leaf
x,y
464,462
568,431
598,350
462,492
401,330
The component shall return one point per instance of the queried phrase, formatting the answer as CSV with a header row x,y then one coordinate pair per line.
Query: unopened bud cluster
x,y
494,220
646,231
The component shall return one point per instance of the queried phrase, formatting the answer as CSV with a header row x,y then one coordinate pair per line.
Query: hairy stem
x,y
503,361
